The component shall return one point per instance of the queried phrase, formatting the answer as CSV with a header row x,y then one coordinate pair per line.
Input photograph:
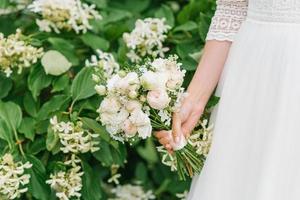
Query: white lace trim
x,y
227,19
275,10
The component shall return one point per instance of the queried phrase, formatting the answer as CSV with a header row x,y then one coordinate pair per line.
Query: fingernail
x,y
176,139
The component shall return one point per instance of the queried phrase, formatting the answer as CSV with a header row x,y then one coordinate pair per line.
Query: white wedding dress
x,y
255,153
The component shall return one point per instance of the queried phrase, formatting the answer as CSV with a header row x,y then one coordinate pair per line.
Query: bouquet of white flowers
x,y
141,98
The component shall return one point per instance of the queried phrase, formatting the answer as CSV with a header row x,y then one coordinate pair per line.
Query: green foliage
x,y
29,100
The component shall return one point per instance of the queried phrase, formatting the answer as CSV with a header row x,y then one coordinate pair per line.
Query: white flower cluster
x,y
16,53
74,138
163,80
13,179
130,96
105,66
67,185
104,63
67,15
123,115
201,139
131,192
147,39
15,6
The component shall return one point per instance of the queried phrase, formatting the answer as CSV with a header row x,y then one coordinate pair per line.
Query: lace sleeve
x,y
227,19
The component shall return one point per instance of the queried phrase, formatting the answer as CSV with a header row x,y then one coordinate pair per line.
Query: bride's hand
x,y
183,122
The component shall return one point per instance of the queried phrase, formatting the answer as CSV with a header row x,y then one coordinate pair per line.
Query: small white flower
x,y
73,137
17,54
104,64
100,89
114,179
146,39
201,139
131,192
67,185
60,15
13,179
183,196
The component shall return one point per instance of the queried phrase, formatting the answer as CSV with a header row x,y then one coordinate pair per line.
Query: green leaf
x,y
66,48
99,3
197,55
5,85
6,134
97,128
135,6
61,83
37,185
52,140
11,114
30,106
188,26
37,81
55,63
189,64
27,127
167,13
148,152
141,172
35,147
83,85
204,26
104,155
51,106
91,189
95,42
115,16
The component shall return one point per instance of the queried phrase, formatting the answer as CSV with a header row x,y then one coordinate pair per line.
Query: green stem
x,y
19,142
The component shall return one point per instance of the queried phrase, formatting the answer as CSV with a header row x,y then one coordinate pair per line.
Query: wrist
x,y
197,101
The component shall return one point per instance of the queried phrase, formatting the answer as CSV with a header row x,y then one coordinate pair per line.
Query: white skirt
x,y
255,153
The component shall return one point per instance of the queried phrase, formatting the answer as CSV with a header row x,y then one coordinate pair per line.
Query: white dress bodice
x,y
230,14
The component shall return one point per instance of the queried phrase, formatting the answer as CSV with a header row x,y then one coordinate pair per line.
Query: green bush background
x,y
39,96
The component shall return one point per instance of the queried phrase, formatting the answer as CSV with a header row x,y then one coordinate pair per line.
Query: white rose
x,y
139,118
159,64
111,83
154,80
128,83
132,78
133,105
133,94
158,99
122,116
144,131
176,79
129,128
109,105
107,118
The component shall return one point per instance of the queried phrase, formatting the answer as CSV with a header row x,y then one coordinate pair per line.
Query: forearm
x,y
208,71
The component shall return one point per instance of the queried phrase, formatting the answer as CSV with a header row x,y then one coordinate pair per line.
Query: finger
x,y
190,124
176,127
164,141
161,134
169,148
